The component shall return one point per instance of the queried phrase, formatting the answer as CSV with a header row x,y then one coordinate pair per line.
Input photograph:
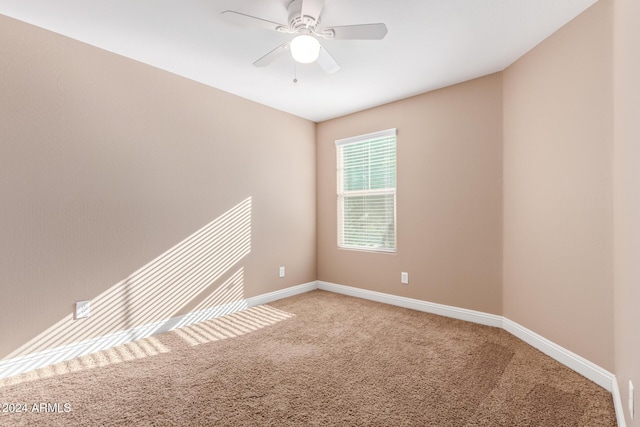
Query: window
x,y
367,192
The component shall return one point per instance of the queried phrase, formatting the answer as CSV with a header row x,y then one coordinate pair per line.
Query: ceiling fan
x,y
304,23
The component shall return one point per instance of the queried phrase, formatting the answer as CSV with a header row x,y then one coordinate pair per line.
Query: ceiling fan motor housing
x,y
304,23
299,23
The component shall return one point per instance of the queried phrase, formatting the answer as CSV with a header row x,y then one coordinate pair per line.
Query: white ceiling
x,y
430,44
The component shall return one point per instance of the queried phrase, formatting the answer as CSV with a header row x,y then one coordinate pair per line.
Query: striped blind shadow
x,y
232,325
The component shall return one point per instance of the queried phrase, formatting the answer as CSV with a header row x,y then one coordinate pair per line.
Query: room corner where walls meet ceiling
x,y
430,44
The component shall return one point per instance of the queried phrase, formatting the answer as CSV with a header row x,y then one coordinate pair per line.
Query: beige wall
x,y
627,200
558,187
449,198
106,163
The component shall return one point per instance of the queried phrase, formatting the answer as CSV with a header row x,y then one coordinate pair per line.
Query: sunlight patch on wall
x,y
232,325
160,289
231,290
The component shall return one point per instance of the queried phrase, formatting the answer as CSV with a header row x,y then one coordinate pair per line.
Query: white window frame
x,y
342,194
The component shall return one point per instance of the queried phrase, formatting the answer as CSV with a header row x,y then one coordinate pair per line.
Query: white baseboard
x,y
415,304
590,370
617,403
41,359
595,373
283,293
573,361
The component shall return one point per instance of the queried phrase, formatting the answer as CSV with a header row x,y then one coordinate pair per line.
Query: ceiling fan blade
x,y
327,63
312,8
272,56
359,32
242,19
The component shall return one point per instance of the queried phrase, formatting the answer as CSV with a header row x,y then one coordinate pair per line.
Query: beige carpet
x,y
316,359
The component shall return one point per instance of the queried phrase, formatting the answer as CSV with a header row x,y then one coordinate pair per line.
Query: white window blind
x,y
367,191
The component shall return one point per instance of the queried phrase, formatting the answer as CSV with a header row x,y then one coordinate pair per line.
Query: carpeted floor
x,y
314,359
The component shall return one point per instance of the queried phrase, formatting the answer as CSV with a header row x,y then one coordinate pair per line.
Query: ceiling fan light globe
x,y
305,49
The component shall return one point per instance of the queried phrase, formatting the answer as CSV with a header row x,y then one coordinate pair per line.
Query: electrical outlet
x,y
631,393
404,278
83,309
281,271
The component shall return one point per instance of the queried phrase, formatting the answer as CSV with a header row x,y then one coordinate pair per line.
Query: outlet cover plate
x,y
83,309
404,278
281,271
